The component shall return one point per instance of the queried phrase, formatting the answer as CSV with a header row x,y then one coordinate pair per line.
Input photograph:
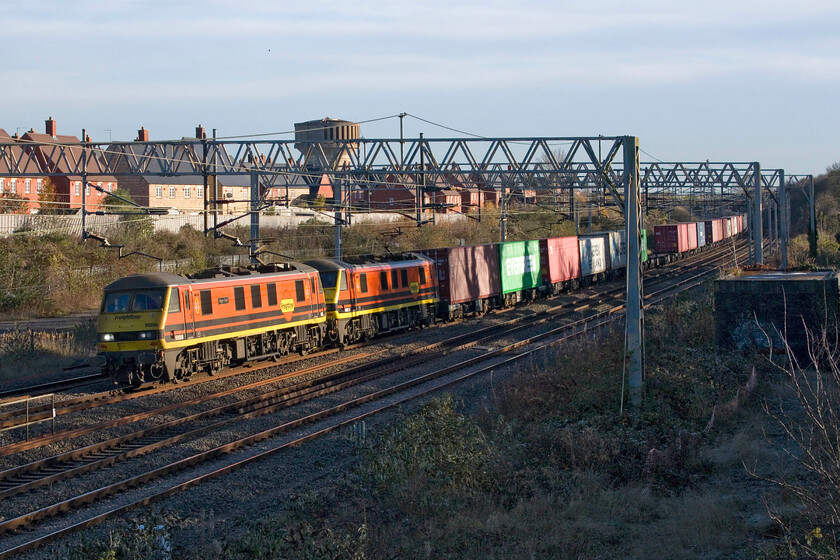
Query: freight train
x,y
164,327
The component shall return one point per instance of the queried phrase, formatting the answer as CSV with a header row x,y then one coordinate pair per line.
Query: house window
x,y
39,186
78,187
110,187
27,186
87,190
186,192
171,192
2,185
391,201
158,192
98,192
199,192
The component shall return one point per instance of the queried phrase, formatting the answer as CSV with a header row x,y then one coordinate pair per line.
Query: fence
x,y
282,218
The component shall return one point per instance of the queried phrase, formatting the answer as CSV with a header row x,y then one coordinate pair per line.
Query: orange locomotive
x,y
166,327
374,295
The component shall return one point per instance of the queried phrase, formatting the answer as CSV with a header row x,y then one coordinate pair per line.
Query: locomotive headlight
x,y
146,335
106,337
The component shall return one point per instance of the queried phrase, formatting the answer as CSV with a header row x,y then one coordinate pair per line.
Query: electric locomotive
x,y
165,327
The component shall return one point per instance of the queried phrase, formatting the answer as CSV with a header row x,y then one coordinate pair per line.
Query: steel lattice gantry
x,y
557,163
708,189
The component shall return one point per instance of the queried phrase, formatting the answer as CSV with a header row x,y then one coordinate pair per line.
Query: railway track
x,y
39,412
62,467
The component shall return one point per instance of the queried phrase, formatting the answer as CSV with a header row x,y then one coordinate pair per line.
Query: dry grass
x,y
28,354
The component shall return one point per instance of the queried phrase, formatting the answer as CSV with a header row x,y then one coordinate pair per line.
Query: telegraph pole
x,y
784,226
84,183
337,202
420,181
634,350
758,232
255,214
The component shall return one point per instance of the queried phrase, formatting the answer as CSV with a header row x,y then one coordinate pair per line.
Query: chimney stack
x,y
143,135
199,132
51,127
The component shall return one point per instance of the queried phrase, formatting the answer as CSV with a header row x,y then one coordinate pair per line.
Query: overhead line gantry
x,y
500,164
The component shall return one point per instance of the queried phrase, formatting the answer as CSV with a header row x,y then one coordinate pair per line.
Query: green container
x,y
520,265
644,245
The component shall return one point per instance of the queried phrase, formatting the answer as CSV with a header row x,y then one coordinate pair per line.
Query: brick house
x,y
68,188
390,195
26,190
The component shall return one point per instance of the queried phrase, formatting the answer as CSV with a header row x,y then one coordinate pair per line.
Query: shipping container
x,y
615,243
559,259
644,246
714,230
466,273
727,228
520,265
593,256
674,238
692,235
701,234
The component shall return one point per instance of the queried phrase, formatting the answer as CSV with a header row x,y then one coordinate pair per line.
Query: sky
x,y
727,81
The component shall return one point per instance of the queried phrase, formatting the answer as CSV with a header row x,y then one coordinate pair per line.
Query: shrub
x,y
425,458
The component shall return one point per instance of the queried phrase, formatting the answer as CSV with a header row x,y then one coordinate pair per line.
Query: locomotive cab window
x,y
300,291
256,297
140,300
342,281
174,301
404,276
422,275
271,289
363,283
395,279
383,279
329,278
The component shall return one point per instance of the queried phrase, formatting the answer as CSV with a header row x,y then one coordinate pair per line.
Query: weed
x,y
145,538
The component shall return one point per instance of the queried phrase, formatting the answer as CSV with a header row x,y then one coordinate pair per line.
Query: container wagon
x,y
559,264
593,259
519,263
467,278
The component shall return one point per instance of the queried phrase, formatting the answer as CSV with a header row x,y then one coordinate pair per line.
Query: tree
x,y
11,204
48,199
116,201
